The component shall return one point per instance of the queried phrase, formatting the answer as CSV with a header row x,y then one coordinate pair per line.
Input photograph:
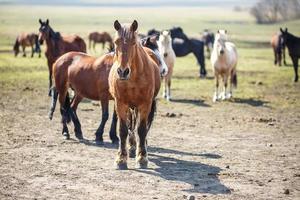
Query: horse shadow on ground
x,y
199,102
251,102
201,177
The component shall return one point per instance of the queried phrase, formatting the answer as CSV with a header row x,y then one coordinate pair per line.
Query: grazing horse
x,y
88,77
167,52
26,40
97,37
185,45
278,46
134,82
293,44
57,45
224,60
208,38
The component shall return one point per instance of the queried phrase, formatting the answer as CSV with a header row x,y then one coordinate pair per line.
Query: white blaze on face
x,y
164,42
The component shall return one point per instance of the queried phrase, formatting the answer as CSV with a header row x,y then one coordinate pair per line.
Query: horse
x,y
97,37
184,45
208,38
154,32
278,47
134,82
167,52
293,44
57,45
224,60
88,77
26,40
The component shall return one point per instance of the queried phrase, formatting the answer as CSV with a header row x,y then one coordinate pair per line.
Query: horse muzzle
x,y
124,73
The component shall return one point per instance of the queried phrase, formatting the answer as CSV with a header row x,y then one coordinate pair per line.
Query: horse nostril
x,y
119,71
126,72
222,51
165,54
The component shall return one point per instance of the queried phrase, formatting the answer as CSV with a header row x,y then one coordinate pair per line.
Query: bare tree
x,y
272,11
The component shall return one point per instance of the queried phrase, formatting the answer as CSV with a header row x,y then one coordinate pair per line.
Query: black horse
x,y
186,45
208,38
293,44
154,32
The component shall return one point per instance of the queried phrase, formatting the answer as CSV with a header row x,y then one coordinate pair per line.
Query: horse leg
x,y
279,58
275,57
295,63
103,45
216,95
141,151
24,53
201,61
131,126
77,126
100,130
112,133
94,46
283,54
121,160
164,95
64,104
225,84
50,77
169,88
32,51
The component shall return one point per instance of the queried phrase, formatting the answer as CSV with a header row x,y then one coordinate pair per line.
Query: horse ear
x,y
225,31
47,22
281,30
40,21
134,26
218,31
117,25
286,30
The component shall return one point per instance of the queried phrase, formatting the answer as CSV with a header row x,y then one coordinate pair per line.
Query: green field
x,y
255,55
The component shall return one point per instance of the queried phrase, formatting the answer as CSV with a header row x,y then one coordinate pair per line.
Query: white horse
x,y
224,60
166,51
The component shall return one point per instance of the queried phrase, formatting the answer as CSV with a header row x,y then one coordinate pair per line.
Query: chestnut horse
x,y
134,82
97,37
88,77
27,40
278,46
57,45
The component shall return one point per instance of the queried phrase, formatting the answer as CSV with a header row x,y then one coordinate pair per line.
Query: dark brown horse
x,y
293,44
27,40
134,82
97,37
57,45
278,46
88,77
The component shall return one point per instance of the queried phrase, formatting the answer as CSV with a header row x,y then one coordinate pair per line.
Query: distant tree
x,y
272,11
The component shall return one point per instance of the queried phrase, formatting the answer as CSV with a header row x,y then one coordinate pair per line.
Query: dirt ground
x,y
230,150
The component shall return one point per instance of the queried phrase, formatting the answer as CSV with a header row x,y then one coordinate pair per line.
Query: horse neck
x,y
137,61
52,42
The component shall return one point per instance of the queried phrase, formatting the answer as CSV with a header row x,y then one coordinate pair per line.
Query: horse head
x,y
126,39
44,30
151,43
177,32
165,42
284,34
153,32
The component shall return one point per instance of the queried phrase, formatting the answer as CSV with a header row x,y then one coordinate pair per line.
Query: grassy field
x,y
255,56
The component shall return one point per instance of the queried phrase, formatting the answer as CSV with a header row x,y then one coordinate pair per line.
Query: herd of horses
x,y
131,74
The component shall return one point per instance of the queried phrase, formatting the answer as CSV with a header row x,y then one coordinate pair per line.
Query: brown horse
x,y
58,44
88,77
27,40
278,46
97,37
134,82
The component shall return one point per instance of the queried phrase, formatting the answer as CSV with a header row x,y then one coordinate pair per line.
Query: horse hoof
x,y
121,166
99,142
50,116
132,153
66,136
79,136
139,165
115,141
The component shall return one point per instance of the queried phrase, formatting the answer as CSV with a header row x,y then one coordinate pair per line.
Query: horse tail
x,y
234,78
151,114
54,95
16,46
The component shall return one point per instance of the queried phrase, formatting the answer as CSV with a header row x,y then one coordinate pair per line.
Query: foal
x,y
57,45
224,60
167,52
134,82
